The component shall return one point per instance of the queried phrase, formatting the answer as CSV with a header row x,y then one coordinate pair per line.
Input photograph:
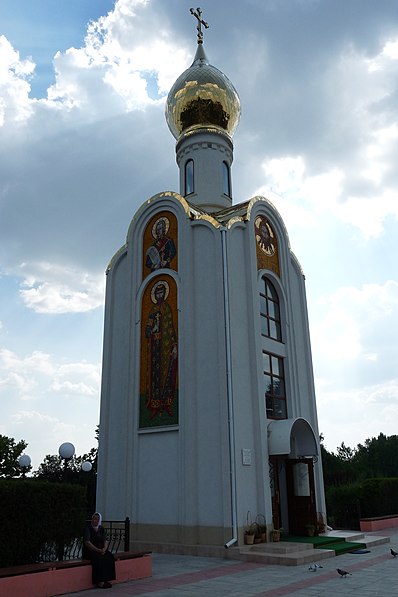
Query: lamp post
x,y
66,451
24,462
86,466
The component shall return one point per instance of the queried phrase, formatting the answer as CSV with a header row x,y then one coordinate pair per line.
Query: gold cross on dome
x,y
198,15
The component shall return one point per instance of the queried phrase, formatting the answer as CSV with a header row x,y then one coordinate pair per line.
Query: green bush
x,y
346,504
343,505
34,513
379,497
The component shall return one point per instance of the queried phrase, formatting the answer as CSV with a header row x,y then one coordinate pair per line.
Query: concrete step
x,y
283,553
279,547
372,540
358,537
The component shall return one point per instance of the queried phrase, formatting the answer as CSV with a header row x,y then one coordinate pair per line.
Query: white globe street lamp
x,y
66,451
86,466
24,462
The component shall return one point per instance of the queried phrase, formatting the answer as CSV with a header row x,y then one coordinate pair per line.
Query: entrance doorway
x,y
275,491
300,494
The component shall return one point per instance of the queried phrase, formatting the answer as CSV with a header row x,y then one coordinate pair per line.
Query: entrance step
x,y
305,550
283,553
358,537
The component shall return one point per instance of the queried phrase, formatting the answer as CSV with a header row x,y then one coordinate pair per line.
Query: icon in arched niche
x,y
159,354
265,235
160,243
266,244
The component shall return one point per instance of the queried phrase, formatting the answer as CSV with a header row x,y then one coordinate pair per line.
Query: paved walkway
x,y
373,574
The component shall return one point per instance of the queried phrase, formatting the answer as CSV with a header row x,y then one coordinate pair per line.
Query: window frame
x,y
277,380
271,313
189,177
226,179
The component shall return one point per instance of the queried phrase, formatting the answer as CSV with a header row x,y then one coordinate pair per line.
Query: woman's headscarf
x,y
99,521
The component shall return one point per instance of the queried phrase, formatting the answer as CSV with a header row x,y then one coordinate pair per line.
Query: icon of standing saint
x,y
161,337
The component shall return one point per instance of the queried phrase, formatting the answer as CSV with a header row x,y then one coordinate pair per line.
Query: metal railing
x,y
117,533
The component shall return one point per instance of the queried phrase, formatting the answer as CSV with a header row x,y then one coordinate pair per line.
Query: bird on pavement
x,y
343,573
314,567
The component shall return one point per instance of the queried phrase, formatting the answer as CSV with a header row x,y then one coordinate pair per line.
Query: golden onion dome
x,y
202,97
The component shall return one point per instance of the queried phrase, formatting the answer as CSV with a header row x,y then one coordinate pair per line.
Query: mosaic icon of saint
x,y
162,250
265,236
162,353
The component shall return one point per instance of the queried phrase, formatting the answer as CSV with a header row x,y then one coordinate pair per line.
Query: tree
x,y
377,457
337,469
9,454
345,453
52,469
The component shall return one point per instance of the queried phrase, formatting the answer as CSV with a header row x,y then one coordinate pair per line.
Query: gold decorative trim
x,y
209,219
235,220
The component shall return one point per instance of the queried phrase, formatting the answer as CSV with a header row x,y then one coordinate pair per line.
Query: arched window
x,y
270,312
226,179
189,179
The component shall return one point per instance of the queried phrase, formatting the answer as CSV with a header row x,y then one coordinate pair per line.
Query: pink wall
x,y
69,580
368,525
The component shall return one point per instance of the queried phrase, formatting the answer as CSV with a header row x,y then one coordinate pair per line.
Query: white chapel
x,y
208,415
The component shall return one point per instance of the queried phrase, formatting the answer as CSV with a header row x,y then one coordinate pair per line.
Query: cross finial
x,y
198,15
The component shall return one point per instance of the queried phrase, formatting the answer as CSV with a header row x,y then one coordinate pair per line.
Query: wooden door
x,y
301,494
275,491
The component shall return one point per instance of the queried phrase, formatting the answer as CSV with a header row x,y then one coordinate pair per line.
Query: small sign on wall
x,y
246,457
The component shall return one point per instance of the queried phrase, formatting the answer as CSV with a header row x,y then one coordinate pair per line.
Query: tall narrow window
x,y
189,186
270,312
226,179
274,386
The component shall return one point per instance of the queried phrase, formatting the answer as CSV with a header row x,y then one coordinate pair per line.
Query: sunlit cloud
x,y
50,288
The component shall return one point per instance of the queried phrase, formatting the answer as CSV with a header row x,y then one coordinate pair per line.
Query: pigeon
x,y
343,573
394,553
314,567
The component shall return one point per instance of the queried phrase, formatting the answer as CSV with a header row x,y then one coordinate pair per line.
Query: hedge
x,y
346,504
34,513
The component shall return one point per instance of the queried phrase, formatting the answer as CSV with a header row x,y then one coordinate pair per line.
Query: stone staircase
x,y
292,553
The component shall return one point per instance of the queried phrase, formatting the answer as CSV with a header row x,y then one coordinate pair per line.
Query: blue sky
x,y
40,29
84,142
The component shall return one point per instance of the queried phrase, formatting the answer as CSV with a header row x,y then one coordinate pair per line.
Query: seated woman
x,y
95,548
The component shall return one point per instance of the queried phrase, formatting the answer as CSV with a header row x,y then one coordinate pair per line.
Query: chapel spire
x,y
202,112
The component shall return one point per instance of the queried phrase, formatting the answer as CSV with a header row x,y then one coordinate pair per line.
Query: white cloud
x,y
50,288
111,72
15,105
357,323
44,433
351,416
302,196
68,380
38,375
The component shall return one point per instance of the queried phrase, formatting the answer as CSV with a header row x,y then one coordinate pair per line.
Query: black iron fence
x,y
117,534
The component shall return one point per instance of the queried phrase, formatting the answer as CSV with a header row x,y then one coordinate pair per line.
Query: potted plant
x,y
249,535
276,534
262,527
257,533
310,529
